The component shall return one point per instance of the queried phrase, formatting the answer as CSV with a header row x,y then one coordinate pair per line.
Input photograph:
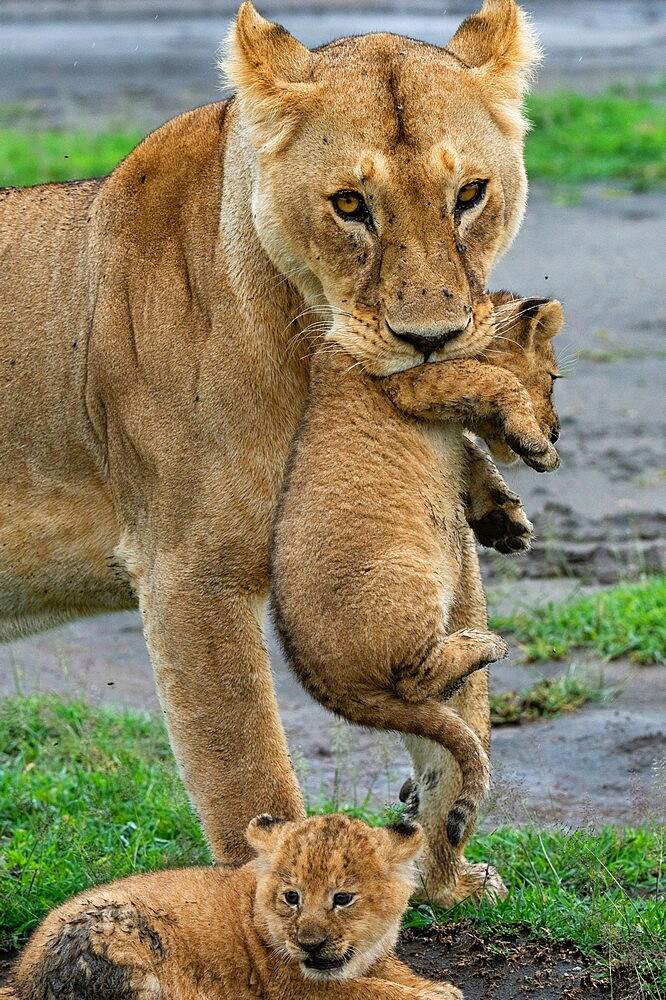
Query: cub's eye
x,y
350,205
470,195
343,898
555,375
292,898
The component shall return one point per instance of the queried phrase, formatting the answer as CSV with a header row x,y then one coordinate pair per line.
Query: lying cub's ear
x,y
264,832
499,46
269,68
403,841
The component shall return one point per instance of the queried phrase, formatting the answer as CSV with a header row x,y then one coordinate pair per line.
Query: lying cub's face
x,y
331,890
389,176
523,330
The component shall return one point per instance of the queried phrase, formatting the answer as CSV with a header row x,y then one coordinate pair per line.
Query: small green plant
x,y
545,699
625,620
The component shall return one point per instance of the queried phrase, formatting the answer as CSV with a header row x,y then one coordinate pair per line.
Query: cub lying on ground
x,y
316,914
371,547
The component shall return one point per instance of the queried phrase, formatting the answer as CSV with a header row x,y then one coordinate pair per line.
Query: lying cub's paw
x,y
505,527
443,991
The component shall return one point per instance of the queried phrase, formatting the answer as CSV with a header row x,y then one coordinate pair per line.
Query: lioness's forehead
x,y
392,91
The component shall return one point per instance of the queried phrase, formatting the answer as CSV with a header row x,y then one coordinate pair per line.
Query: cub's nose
x,y
427,343
311,944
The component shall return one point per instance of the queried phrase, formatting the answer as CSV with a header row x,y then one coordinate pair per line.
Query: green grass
x,y
87,795
579,139
618,136
38,156
626,620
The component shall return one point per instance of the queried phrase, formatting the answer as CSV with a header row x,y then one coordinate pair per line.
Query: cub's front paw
x,y
505,527
537,452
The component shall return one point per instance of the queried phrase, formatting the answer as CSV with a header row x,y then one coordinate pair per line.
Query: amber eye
x,y
470,195
350,205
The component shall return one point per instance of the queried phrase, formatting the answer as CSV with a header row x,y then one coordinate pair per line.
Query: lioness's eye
x,y
350,205
343,898
470,195
292,898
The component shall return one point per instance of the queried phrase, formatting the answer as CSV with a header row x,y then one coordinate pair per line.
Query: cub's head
x,y
522,343
331,890
388,175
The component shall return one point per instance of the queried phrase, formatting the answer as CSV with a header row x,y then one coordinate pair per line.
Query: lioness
x,y
371,549
154,332
316,914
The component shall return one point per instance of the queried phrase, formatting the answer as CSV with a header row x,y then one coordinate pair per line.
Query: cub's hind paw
x,y
505,527
480,646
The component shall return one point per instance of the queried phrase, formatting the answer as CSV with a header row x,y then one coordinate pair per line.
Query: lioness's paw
x,y
505,527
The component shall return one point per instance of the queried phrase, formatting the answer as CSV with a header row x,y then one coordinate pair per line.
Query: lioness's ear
x,y
270,69
403,841
500,47
264,832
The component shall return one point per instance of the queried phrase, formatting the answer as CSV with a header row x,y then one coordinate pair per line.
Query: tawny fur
x,y
371,549
155,327
228,934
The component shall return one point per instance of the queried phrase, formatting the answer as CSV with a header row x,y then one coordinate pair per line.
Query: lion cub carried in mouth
x,y
316,914
372,551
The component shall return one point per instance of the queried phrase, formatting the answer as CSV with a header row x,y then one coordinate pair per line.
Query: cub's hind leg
x,y
439,671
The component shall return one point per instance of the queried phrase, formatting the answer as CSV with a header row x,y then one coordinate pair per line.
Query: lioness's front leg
x,y
203,630
494,512
477,395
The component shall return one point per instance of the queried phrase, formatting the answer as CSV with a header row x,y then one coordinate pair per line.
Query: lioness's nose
x,y
426,343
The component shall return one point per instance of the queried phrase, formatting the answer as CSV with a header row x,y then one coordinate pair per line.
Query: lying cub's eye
x,y
292,898
470,195
343,898
350,205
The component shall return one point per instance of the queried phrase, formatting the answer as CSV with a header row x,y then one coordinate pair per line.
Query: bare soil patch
x,y
506,967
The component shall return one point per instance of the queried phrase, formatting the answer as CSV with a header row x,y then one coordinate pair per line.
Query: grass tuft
x,y
547,698
625,620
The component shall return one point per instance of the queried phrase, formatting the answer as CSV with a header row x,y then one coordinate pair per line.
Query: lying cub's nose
x,y
427,343
311,944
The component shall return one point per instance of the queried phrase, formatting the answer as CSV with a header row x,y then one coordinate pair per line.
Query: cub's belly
x,y
56,556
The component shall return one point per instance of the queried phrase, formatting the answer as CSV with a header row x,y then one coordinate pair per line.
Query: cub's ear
x,y
403,841
264,832
499,45
270,70
547,321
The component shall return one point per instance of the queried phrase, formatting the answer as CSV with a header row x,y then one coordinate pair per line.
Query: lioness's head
x,y
523,330
331,890
389,175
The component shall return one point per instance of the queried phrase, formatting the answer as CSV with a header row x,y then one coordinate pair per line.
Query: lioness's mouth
x,y
327,964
